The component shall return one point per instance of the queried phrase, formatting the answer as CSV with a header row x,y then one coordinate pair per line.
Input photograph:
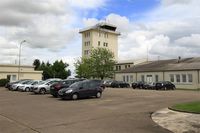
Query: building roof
x,y
14,65
136,61
106,27
165,65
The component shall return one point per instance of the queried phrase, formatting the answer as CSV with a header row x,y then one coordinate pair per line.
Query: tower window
x,y
86,52
99,43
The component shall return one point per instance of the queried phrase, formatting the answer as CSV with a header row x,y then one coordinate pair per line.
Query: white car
x,y
15,87
28,86
44,87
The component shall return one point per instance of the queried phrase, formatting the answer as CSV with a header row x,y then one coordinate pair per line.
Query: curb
x,y
170,108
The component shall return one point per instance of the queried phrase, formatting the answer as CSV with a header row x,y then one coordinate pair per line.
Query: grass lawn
x,y
193,107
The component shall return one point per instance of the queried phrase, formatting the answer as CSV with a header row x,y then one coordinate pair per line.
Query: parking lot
x,y
118,111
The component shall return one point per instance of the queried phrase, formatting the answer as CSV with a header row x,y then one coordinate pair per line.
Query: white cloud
x,y
87,4
51,28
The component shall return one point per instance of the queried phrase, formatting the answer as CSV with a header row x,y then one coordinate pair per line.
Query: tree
x,y
36,63
56,70
99,65
59,69
83,68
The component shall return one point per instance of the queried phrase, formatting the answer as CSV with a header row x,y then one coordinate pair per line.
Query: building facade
x,y
26,72
184,73
102,35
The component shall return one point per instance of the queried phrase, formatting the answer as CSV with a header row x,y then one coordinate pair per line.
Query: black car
x,y
139,85
62,84
119,84
164,85
86,88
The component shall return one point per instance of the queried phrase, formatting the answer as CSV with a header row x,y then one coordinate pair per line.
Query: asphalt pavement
x,y
118,111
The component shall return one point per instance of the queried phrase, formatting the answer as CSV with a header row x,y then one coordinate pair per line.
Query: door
x,y
84,90
149,78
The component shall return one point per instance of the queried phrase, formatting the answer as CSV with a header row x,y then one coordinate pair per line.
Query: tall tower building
x,y
102,35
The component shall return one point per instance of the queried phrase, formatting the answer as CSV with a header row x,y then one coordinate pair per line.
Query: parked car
x,y
86,88
8,85
165,85
28,86
150,86
15,86
44,87
119,84
139,85
62,84
107,83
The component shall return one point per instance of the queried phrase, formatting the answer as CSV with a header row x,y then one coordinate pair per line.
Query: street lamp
x,y
20,45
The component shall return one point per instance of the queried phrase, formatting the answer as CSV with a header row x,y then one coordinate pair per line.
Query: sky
x,y
164,28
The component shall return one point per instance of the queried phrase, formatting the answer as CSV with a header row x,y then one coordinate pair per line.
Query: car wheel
x,y
42,91
75,96
27,89
98,95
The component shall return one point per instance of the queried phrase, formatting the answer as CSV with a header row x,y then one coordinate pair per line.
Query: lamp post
x,y
20,45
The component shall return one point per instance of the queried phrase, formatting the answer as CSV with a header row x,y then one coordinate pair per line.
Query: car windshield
x,y
36,82
76,85
25,82
30,82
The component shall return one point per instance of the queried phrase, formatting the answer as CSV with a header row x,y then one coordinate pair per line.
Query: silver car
x,y
15,87
28,86
44,86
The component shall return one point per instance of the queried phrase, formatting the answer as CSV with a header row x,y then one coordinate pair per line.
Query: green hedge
x,y
3,82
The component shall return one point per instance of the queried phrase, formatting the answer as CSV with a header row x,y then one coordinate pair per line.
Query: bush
x,y
3,82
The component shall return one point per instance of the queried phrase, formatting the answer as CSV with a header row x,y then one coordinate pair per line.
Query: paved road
x,y
118,111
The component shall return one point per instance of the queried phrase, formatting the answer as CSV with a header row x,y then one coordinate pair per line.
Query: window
x,y
178,78
125,66
86,52
124,78
14,77
171,77
127,78
129,66
8,77
131,78
104,44
184,78
142,78
156,78
116,68
99,43
119,67
190,78
99,34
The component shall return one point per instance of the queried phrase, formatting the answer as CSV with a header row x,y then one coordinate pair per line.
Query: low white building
x,y
12,72
184,73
